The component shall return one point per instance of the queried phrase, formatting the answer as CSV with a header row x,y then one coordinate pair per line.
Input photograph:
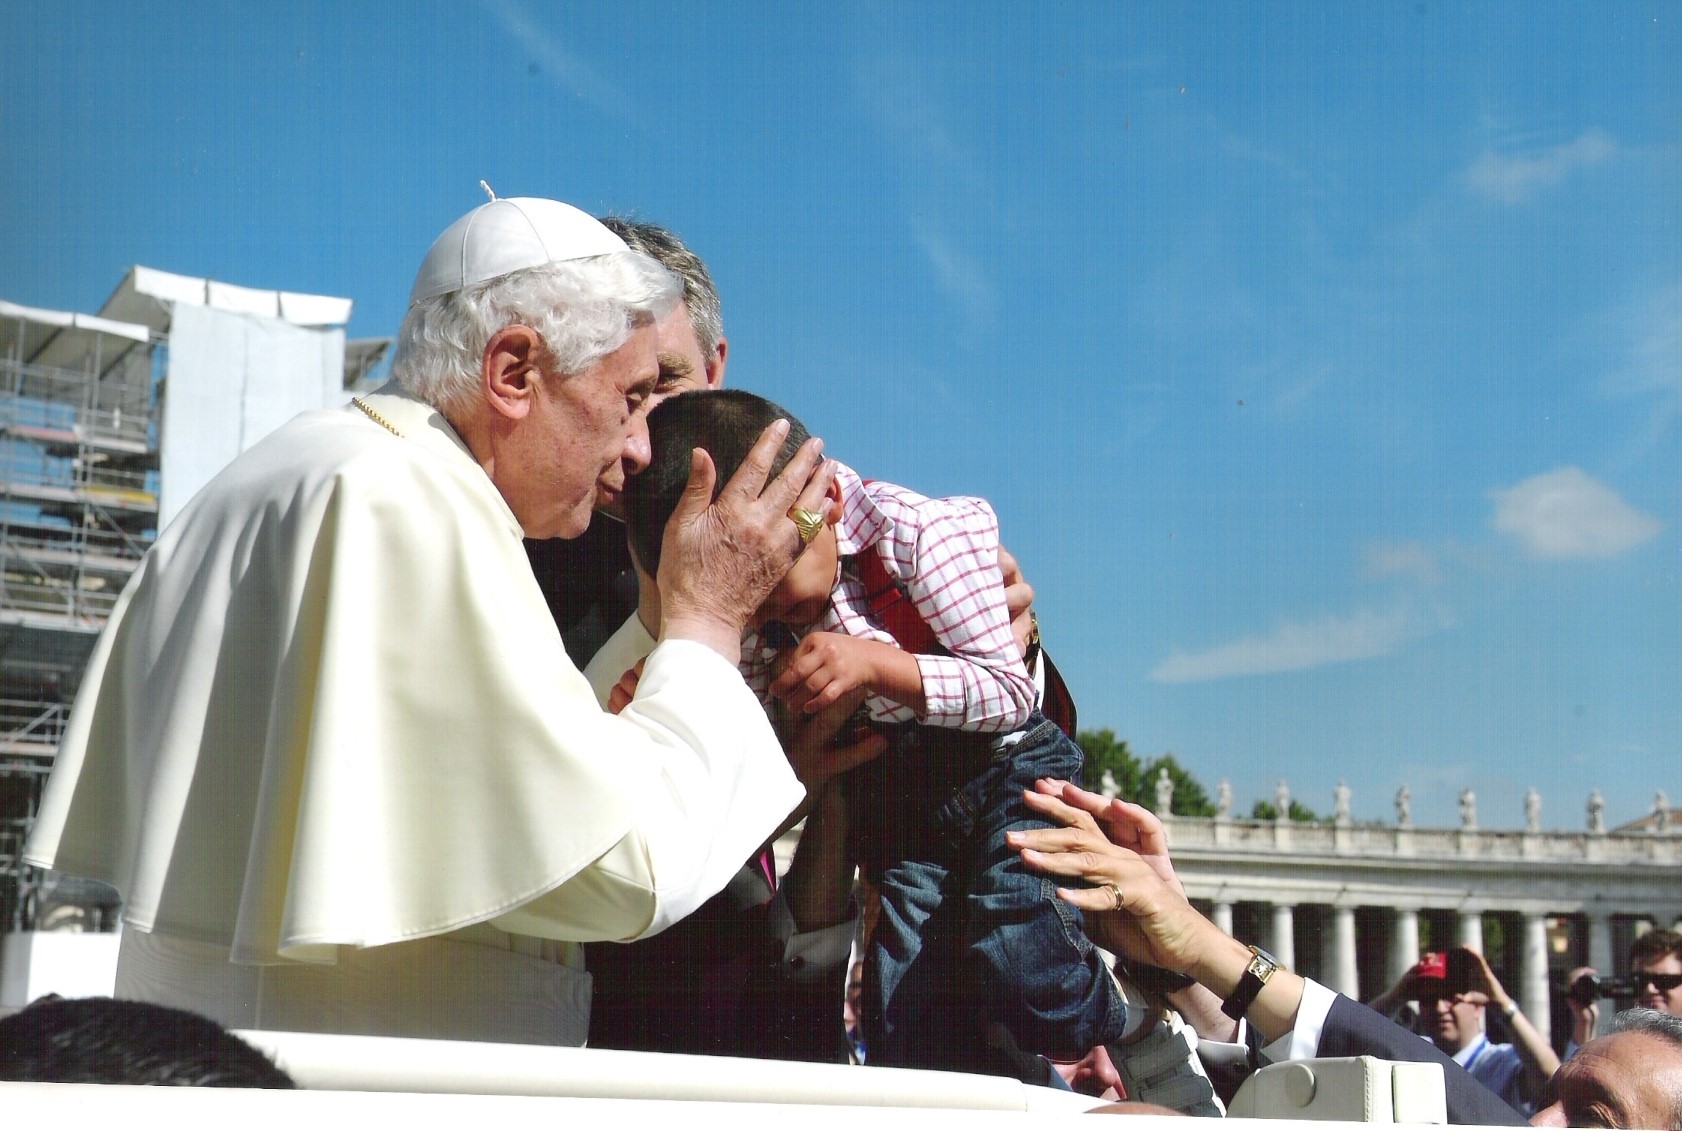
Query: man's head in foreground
x,y
105,1041
725,423
531,328
690,336
1632,1077
1655,959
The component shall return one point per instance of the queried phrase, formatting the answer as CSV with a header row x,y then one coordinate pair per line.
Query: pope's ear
x,y
510,370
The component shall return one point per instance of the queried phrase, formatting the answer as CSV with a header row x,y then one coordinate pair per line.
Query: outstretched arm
x,y
1145,916
1540,1060
1138,908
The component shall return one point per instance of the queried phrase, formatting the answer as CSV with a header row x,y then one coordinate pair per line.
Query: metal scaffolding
x,y
78,509
81,462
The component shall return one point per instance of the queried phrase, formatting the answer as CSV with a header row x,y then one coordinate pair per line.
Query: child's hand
x,y
828,665
626,689
824,667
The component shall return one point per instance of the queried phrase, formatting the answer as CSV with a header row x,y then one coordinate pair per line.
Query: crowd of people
x,y
471,710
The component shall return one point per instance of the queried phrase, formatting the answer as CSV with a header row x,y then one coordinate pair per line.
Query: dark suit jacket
x,y
1354,1030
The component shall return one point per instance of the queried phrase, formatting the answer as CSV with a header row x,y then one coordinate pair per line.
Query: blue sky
x,y
1323,361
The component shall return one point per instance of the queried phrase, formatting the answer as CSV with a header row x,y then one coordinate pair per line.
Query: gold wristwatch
x,y
1261,968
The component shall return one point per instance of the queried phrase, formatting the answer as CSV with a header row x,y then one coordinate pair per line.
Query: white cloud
x,y
961,275
1405,559
1294,647
1648,333
1511,178
566,70
1567,513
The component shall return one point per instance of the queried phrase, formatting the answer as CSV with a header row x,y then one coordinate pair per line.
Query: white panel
x,y
233,379
68,963
167,287
314,310
35,314
202,417
288,370
244,300
110,326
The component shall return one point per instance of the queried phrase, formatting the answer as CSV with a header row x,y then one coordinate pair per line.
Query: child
x,y
973,957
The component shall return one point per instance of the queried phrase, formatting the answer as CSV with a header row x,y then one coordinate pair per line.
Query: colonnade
x,y
1357,896
1340,965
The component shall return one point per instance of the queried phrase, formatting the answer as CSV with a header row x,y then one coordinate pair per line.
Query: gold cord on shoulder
x,y
374,416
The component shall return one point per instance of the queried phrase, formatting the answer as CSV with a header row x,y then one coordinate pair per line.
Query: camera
x,y
1591,986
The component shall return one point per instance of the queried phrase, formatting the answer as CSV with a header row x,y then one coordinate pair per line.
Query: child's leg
x,y
1027,956
918,1012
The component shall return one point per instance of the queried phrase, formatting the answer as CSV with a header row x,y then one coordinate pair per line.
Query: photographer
x,y
1655,982
1454,991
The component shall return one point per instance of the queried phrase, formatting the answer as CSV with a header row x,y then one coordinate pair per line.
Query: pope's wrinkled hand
x,y
722,557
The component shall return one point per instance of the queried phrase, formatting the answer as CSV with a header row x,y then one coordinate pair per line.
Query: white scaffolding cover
x,y
146,295
60,338
233,379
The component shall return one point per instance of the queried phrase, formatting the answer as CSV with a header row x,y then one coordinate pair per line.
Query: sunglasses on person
x,y
1664,983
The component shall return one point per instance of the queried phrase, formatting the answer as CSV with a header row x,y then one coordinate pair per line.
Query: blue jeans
x,y
969,939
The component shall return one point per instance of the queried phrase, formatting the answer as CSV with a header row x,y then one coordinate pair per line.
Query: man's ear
x,y
510,370
715,365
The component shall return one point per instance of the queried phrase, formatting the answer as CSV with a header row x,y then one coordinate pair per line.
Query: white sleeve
x,y
630,643
722,785
704,794
1303,1041
811,956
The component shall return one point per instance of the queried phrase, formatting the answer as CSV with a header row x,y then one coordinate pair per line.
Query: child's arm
x,y
827,665
945,553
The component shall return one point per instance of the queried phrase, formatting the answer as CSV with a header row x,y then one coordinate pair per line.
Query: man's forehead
x,y
1627,1072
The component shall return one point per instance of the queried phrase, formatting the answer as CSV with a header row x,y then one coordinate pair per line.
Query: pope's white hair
x,y
584,309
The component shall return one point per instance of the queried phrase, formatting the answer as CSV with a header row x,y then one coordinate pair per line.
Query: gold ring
x,y
809,523
1115,892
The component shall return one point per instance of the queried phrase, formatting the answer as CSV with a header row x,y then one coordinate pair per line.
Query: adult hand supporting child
x,y
813,747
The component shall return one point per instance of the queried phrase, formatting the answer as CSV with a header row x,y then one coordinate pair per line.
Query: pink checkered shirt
x,y
944,555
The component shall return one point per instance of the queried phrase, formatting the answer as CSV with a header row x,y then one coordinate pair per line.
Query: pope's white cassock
x,y
334,757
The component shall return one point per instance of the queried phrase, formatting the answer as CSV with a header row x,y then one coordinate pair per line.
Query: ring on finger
x,y
1115,894
809,523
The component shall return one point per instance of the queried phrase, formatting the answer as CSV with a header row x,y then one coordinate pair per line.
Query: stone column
x,y
1600,957
1221,915
1346,978
1404,943
1284,946
1471,930
1533,974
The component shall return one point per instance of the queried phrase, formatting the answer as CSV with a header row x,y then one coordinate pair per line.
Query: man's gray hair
x,y
706,312
1652,1021
584,309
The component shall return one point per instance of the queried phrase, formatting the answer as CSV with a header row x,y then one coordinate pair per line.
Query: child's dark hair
x,y
724,422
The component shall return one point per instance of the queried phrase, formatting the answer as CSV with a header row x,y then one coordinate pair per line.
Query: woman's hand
x,y
1153,923
1123,824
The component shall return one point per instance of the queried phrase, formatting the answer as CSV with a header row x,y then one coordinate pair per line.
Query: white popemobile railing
x,y
1359,1089
372,1081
